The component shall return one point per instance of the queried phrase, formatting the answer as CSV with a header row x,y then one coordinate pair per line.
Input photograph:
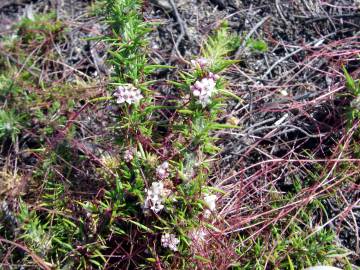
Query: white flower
x,y
213,76
200,62
169,240
129,155
162,170
156,195
198,235
205,88
210,203
128,94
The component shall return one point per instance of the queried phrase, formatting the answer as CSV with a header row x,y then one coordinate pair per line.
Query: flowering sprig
x,y
205,88
169,240
129,155
162,171
155,197
127,94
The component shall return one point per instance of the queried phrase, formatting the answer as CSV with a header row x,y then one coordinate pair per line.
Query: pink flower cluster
x,y
205,88
128,94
